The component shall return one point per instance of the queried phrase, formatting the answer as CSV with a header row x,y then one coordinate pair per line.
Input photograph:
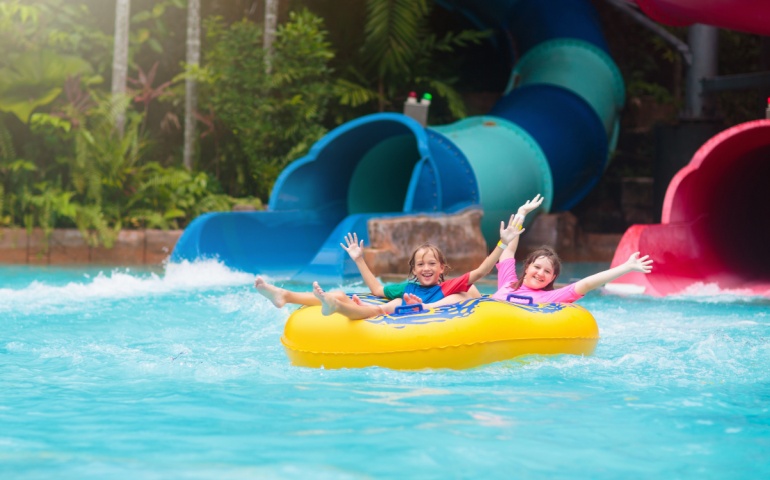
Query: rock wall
x,y
393,240
67,246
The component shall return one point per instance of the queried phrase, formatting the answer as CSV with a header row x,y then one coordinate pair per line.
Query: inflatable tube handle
x,y
414,308
521,297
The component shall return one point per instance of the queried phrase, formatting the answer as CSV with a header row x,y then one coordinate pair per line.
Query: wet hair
x,y
436,252
545,252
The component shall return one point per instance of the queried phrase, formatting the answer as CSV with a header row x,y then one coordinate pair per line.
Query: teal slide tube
x,y
489,143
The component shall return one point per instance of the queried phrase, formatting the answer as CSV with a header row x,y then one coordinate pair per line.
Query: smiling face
x,y
539,274
427,266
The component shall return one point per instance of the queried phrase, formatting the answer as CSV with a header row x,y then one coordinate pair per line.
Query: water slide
x,y
714,228
551,133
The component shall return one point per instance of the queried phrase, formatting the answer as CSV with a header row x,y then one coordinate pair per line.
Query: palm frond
x,y
95,228
463,38
353,94
444,90
392,32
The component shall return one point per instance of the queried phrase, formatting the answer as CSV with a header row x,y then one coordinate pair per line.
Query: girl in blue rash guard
x,y
427,266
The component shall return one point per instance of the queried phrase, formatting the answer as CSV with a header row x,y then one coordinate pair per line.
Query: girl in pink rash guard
x,y
541,269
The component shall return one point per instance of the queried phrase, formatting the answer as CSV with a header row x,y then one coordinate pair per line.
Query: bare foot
x,y
276,295
411,299
356,300
328,302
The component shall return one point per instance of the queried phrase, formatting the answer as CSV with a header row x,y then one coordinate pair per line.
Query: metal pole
x,y
703,41
642,19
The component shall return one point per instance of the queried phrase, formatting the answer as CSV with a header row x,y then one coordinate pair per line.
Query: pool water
x,y
179,373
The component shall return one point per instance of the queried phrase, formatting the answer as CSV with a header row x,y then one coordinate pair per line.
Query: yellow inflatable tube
x,y
464,335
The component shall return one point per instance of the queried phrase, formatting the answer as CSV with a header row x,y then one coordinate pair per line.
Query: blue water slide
x,y
552,132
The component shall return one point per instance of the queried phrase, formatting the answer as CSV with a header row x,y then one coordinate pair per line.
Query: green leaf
x,y
174,213
38,120
35,79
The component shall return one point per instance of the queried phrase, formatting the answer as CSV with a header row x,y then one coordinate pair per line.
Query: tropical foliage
x,y
63,161
399,55
74,155
264,120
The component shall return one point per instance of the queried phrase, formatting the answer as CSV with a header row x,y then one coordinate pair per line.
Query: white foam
x,y
624,288
116,284
710,289
697,291
711,292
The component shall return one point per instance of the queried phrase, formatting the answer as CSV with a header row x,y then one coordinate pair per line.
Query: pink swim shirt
x,y
506,277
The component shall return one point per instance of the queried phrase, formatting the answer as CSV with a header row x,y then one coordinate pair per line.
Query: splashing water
x,y
180,373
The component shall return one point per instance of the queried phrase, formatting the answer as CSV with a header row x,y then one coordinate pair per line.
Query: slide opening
x,y
380,181
362,166
714,226
736,202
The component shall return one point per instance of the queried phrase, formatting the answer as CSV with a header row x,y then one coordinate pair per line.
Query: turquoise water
x,y
179,373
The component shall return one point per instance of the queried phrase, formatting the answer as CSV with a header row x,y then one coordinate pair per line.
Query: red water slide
x,y
751,16
715,223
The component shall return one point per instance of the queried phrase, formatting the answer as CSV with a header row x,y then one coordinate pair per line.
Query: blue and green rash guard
x,y
429,294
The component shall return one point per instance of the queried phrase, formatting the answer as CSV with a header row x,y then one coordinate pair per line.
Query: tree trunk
x,y
271,19
120,55
193,59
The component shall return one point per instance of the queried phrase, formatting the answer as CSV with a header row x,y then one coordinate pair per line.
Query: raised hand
x,y
513,230
352,245
636,264
531,205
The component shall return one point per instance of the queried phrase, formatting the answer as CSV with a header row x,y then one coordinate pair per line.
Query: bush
x,y
265,119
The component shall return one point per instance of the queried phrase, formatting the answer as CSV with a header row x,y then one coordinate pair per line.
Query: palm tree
x,y
120,54
193,59
397,54
271,19
393,30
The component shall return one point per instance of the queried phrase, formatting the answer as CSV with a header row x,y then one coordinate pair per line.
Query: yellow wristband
x,y
502,245
516,217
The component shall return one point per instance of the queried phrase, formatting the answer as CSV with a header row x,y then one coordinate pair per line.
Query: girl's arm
x,y
356,251
510,251
508,235
529,206
633,264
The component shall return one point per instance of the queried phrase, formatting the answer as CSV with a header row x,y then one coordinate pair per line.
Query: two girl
x,y
425,284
